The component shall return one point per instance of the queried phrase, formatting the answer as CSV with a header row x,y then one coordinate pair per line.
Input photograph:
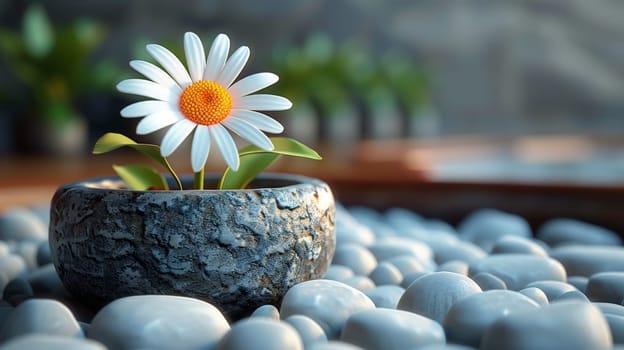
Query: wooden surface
x,y
377,174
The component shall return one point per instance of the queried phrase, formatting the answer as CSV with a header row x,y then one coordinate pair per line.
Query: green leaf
x,y
112,141
254,160
140,177
38,32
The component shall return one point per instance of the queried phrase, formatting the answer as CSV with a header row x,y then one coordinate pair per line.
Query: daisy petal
x,y
175,136
253,83
259,120
234,66
249,133
200,148
143,108
195,55
154,74
157,121
170,63
262,102
217,56
226,145
146,88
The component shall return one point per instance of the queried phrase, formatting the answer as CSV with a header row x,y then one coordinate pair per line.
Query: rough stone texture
x,y
237,249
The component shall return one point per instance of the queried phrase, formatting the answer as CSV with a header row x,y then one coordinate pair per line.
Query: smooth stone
x,y
44,256
407,264
334,345
349,230
606,287
517,245
580,282
610,309
20,224
269,311
572,295
260,333
437,226
386,296
28,251
457,266
45,280
329,303
5,310
387,329
38,341
11,266
42,211
158,322
468,318
4,249
17,287
309,331
433,295
44,316
564,325
552,289
386,273
411,277
447,347
390,247
400,218
536,294
338,272
585,261
557,232
486,226
366,215
456,250
518,270
373,220
487,281
356,257
361,283
616,325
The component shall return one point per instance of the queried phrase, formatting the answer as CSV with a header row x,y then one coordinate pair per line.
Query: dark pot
x,y
237,249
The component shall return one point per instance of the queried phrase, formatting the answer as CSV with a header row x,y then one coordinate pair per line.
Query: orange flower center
x,y
205,102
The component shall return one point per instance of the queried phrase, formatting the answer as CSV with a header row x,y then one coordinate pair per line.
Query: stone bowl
x,y
237,249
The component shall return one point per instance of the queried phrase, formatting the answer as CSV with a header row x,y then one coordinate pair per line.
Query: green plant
x,y
52,65
204,99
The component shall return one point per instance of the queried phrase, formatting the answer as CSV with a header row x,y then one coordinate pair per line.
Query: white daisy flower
x,y
203,99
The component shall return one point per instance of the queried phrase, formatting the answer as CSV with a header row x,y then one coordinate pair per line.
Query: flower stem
x,y
198,180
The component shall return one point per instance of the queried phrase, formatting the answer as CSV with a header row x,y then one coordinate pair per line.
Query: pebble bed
x,y
397,281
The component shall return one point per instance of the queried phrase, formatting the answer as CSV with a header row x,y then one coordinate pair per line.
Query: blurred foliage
x,y
53,66
330,77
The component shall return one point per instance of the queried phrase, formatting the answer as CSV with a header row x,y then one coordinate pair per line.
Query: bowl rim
x,y
284,181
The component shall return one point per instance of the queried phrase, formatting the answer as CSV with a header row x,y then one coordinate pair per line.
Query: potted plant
x,y
238,241
52,73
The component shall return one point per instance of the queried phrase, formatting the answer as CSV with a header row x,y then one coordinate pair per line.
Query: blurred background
x,y
512,91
